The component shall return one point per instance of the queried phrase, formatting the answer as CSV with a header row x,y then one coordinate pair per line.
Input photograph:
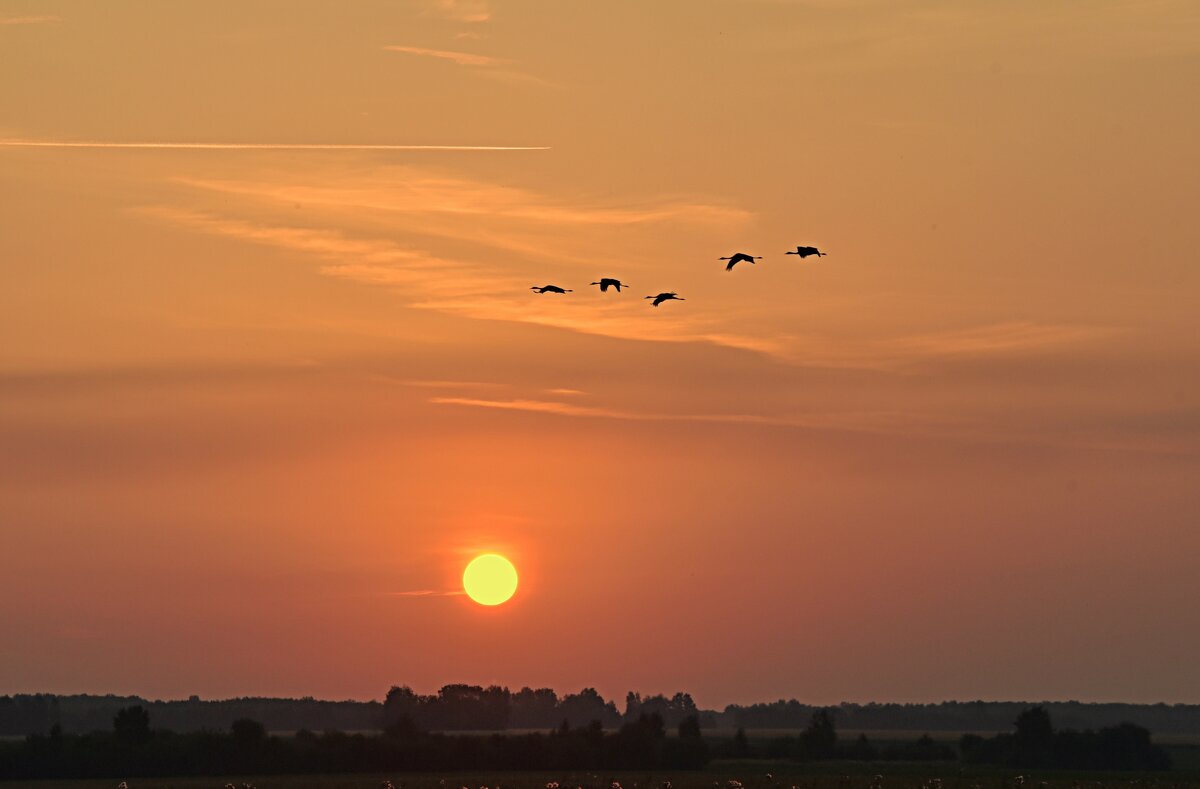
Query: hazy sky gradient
x,y
248,396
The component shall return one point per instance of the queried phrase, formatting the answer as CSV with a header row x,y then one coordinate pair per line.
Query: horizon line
x,y
721,709
20,143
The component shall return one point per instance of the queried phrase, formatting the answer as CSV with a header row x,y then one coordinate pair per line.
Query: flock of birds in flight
x,y
738,257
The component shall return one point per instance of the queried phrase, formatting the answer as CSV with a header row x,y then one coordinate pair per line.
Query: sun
x,y
490,579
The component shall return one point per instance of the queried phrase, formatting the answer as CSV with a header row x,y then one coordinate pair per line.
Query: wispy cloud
x,y
427,593
997,338
239,146
364,259
506,238
413,191
448,211
878,422
463,10
461,58
424,384
484,65
540,406
453,286
29,20
617,321
866,421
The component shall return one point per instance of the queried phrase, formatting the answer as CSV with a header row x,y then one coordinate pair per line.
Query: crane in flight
x,y
608,282
738,257
549,289
660,298
804,252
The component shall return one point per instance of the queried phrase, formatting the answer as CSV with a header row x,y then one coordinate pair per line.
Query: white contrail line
x,y
248,146
426,593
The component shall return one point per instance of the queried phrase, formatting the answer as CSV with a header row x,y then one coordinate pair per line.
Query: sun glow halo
x,y
490,579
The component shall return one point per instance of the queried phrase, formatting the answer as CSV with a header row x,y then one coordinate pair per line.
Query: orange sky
x,y
249,395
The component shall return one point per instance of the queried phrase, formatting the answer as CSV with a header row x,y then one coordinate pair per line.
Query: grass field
x,y
879,736
751,774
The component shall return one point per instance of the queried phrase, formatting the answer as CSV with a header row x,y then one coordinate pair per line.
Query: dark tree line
x,y
133,749
495,708
961,715
475,708
1035,743
27,714
819,742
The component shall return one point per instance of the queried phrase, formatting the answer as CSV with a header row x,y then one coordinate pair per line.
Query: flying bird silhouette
x,y
549,289
738,258
804,252
608,282
660,298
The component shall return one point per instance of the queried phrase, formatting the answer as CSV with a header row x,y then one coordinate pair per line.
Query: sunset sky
x,y
253,398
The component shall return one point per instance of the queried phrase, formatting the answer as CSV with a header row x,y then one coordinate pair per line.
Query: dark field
x,y
750,774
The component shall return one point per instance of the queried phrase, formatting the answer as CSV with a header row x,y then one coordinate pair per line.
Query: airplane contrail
x,y
249,146
426,593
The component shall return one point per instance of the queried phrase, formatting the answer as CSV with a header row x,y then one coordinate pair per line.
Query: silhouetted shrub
x,y
131,725
819,740
1035,744
740,748
248,734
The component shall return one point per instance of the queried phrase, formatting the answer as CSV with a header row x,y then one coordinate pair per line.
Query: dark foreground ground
x,y
750,774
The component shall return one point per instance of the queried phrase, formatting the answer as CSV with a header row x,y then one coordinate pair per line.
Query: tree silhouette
x,y
1035,743
1034,739
248,734
689,751
741,746
131,725
819,740
586,706
534,709
400,703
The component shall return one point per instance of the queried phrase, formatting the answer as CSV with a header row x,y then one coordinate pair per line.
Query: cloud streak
x,y
876,422
485,65
464,10
469,221
452,286
366,260
866,421
414,191
243,146
29,20
461,58
998,338
426,593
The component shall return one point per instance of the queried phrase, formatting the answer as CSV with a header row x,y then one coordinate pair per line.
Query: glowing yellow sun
x,y
490,579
